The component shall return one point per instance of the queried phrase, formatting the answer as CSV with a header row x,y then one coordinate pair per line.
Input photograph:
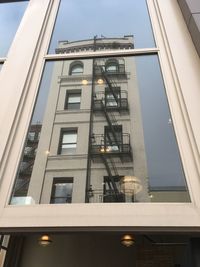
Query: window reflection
x,y
76,68
100,20
124,125
10,16
68,142
61,190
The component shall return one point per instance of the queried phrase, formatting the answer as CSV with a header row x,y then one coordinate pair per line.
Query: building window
x,y
112,66
68,142
62,190
76,68
28,151
31,136
111,195
110,98
73,100
113,139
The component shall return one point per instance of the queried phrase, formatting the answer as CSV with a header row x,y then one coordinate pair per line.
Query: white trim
x,y
148,215
20,90
88,54
181,119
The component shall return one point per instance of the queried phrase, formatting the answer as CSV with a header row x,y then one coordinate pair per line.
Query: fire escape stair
x,y
109,164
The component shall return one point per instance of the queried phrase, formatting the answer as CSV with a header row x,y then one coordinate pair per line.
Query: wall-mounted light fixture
x,y
90,192
127,240
44,240
100,81
84,82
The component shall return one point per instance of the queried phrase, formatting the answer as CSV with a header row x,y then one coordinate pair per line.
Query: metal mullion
x,y
68,143
99,54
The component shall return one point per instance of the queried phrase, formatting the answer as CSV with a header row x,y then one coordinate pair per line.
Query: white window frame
x,y
71,101
71,146
19,94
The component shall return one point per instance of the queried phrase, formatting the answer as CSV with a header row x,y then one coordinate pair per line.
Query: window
x,y
73,100
112,66
76,68
11,13
61,190
28,150
113,140
110,100
64,70
68,142
31,136
109,195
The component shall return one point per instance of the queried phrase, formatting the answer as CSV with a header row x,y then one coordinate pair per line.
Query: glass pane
x,y
74,98
61,190
10,16
68,146
69,137
68,149
132,146
76,70
73,106
103,21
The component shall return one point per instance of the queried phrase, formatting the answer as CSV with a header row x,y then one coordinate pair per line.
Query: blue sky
x,y
10,17
78,20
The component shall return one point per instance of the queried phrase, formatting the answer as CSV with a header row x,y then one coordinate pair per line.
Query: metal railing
x,y
120,71
107,196
100,144
110,103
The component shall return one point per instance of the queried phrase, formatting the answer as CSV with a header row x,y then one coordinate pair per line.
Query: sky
x,y
163,159
10,17
78,20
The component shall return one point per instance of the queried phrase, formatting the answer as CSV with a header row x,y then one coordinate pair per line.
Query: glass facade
x,y
119,145
11,14
100,151
100,20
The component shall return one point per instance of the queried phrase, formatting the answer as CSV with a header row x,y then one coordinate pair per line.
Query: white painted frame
x,y
20,78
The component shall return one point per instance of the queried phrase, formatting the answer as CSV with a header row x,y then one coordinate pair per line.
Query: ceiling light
x,y
127,240
45,240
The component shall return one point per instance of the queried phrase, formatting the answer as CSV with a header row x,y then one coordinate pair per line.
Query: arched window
x,y
76,68
112,66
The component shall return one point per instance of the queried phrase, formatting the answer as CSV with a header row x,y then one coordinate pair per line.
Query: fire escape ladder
x,y
113,167
111,177
110,118
110,86
21,186
29,165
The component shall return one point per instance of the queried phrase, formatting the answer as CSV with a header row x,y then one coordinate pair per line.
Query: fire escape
x,y
113,143
27,163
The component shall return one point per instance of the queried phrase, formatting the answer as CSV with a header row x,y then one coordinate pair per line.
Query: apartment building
x,y
99,151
